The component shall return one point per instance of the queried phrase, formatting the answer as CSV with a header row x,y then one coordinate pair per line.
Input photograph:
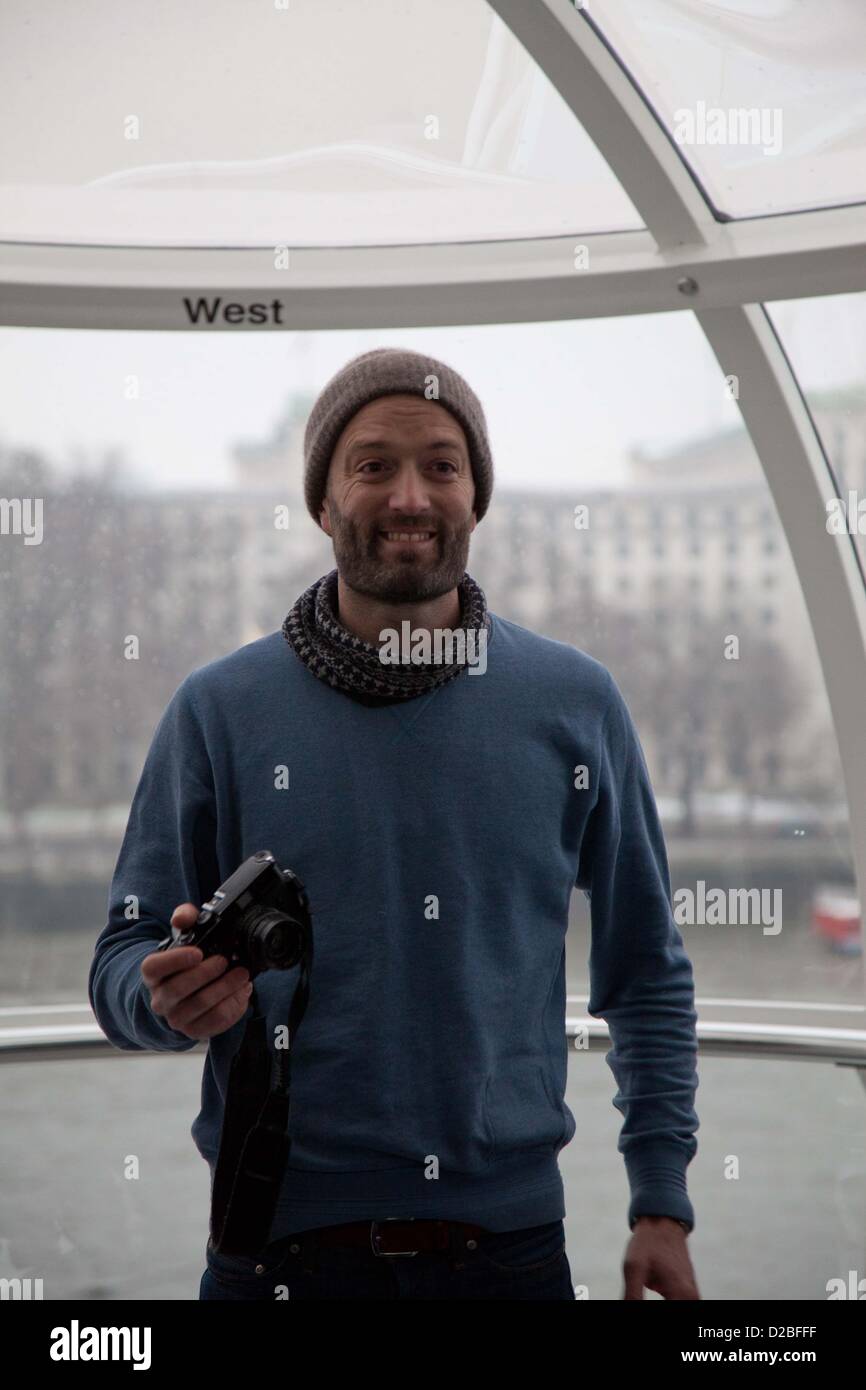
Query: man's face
x,y
399,500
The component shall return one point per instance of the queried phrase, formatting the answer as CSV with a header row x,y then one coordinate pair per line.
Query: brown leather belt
x,y
395,1237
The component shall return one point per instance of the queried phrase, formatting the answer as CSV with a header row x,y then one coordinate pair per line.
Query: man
x,y
439,814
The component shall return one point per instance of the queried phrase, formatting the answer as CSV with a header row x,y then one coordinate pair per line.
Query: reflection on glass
x,y
312,124
765,99
825,340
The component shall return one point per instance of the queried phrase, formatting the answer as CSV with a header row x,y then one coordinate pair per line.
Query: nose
x,y
409,492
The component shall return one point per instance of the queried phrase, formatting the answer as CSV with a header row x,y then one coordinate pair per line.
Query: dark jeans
x,y
531,1263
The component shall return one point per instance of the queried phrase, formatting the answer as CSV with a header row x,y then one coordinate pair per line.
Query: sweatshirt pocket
x,y
447,1121
439,1123
523,1112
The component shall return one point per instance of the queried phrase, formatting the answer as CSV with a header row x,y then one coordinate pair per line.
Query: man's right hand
x,y
195,996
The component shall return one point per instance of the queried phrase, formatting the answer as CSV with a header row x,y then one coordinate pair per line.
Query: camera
x,y
259,918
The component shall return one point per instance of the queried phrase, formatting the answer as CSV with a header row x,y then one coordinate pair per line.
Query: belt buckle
x,y
373,1236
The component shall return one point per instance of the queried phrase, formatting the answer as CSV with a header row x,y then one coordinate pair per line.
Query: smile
x,y
415,537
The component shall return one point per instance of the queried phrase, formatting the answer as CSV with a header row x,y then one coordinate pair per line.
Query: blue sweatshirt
x,y
439,841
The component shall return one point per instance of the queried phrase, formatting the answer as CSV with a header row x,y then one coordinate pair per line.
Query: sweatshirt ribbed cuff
x,y
657,1180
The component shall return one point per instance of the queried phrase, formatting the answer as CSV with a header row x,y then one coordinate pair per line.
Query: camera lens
x,y
275,941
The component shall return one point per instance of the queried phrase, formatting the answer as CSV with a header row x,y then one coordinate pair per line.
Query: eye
x,y
375,463
446,463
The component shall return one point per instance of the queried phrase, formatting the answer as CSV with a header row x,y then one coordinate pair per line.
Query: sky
x,y
565,401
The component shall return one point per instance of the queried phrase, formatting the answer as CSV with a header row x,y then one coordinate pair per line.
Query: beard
x,y
403,576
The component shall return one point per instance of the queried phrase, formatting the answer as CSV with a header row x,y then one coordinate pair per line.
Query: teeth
x,y
408,535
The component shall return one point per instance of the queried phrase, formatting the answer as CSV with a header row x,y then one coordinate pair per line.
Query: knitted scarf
x,y
350,664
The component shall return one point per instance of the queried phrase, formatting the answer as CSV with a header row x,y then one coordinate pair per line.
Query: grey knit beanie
x,y
387,372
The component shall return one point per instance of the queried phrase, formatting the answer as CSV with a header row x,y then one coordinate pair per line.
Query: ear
x,y
324,519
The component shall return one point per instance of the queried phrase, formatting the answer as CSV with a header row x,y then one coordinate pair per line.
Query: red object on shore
x,y
836,918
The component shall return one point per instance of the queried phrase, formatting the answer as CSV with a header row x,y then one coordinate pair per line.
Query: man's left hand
x,y
657,1258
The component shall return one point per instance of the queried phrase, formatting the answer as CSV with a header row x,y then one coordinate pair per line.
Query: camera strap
x,y
255,1143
